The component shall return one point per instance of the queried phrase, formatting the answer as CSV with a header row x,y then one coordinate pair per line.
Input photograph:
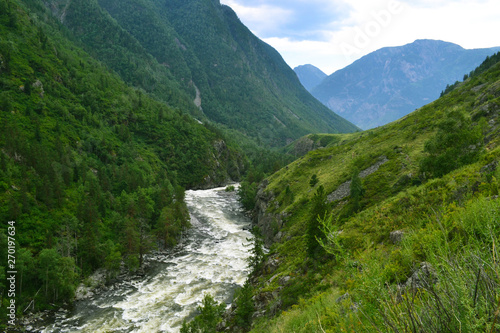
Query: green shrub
x,y
247,193
210,314
245,307
356,190
457,143
313,233
256,259
314,180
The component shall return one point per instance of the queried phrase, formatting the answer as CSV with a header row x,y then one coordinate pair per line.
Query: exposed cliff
x,y
268,223
227,166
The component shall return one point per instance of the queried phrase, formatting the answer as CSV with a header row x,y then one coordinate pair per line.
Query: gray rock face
x,y
95,281
226,168
396,237
343,191
284,280
268,223
423,277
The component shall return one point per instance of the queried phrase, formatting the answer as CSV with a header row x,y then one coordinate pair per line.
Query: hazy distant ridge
x,y
310,76
391,82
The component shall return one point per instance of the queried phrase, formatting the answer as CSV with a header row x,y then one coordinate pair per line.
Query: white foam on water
x,y
213,260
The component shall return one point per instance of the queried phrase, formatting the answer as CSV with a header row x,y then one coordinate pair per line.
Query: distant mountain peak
x,y
426,41
433,43
310,76
393,81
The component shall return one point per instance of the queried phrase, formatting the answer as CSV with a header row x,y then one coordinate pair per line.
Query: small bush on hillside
x,y
245,307
247,193
256,260
457,143
318,210
314,180
356,190
210,314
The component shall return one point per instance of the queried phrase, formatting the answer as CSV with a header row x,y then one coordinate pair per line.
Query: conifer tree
x,y
319,209
356,190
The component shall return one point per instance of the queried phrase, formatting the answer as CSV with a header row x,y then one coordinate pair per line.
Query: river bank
x,y
212,258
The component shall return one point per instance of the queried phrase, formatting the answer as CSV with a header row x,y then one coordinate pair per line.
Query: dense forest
x,y
180,51
92,171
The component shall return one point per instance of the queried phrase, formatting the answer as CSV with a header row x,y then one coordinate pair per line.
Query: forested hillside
x,y
92,171
198,56
388,230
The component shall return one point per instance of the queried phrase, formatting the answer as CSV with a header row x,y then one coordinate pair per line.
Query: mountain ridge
x,y
309,75
243,83
393,81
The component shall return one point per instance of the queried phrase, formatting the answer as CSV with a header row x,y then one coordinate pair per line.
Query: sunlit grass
x,y
449,222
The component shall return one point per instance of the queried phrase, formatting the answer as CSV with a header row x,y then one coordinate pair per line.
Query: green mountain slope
x,y
389,230
92,171
248,76
197,52
104,39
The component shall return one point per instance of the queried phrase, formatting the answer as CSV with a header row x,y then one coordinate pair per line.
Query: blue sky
x,y
331,34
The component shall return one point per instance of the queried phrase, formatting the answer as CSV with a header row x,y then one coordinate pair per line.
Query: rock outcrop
x,y
226,167
265,219
396,237
260,215
343,190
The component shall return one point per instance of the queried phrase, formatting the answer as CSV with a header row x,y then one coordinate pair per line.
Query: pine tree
x,y
356,191
319,209
314,180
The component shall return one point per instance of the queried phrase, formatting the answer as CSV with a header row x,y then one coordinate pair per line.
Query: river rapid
x,y
212,258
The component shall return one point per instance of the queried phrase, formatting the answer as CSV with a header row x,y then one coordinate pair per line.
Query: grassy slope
x,y
442,218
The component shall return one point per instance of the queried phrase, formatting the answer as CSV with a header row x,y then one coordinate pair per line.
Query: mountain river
x,y
211,259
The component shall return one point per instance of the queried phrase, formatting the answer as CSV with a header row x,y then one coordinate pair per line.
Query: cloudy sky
x,y
331,34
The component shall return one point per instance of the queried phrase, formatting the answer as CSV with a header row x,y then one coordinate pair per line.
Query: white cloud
x,y
358,27
321,54
295,19
471,24
353,36
261,19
